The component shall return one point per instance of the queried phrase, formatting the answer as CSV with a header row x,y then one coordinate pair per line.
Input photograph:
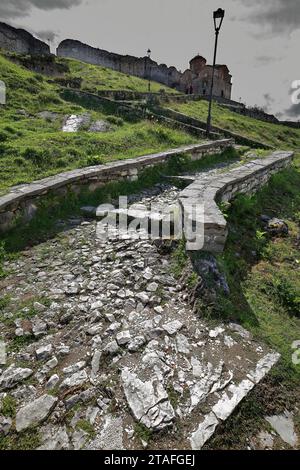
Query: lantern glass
x,y
218,18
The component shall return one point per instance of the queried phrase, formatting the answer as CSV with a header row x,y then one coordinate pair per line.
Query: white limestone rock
x,y
54,438
13,376
204,431
35,412
172,327
136,343
231,398
5,425
96,362
284,426
148,401
263,366
123,337
77,379
44,352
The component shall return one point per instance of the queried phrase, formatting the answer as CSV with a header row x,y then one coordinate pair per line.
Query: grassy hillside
x,y
95,77
32,146
89,77
279,136
263,273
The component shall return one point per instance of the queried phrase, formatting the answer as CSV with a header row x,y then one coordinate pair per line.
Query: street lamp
x,y
218,20
149,57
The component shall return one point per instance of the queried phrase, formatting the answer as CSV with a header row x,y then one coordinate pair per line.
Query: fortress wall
x,y
20,41
142,67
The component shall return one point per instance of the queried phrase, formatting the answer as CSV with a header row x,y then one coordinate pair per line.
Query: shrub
x,y
46,97
33,155
3,136
94,160
20,161
2,258
10,129
115,120
2,149
8,408
61,163
288,295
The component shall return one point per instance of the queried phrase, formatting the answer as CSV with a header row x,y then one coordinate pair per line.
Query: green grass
x,y
56,207
279,136
8,407
32,147
95,78
86,426
37,155
263,272
27,440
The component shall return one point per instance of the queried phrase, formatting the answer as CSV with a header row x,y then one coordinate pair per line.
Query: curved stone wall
x,y
245,179
20,205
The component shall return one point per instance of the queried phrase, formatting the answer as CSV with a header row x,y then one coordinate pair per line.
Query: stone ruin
x,y
195,80
20,41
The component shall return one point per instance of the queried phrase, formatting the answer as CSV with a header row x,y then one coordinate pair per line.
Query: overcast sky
x,y
260,39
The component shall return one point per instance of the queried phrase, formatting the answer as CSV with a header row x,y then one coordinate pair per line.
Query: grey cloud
x,y
277,15
46,35
10,9
264,60
268,102
293,111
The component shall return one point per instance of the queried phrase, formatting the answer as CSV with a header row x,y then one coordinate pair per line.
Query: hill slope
x,y
276,135
33,146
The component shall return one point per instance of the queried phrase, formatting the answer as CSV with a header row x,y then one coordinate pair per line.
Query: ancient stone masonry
x,y
197,79
190,121
20,41
141,67
21,203
194,80
245,179
115,345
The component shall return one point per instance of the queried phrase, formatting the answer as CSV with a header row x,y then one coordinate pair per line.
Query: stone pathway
x,y
104,350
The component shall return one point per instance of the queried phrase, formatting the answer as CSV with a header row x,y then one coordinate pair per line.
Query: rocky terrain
x,y
104,350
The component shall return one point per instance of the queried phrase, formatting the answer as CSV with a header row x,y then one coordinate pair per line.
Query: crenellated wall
x,y
20,41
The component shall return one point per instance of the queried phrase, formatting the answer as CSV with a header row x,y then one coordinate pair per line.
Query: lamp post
x,y
218,20
149,57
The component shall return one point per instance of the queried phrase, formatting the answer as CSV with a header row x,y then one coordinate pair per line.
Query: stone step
x,y
187,178
154,222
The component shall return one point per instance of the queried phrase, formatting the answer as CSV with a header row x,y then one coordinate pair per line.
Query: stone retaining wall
x,y
127,95
128,111
245,179
242,140
19,206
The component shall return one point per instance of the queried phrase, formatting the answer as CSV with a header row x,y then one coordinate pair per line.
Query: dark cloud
x,y
10,9
278,16
293,111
